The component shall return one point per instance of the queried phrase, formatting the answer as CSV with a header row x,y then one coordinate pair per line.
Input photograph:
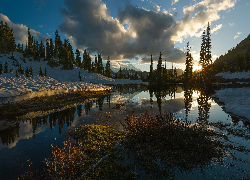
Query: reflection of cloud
x,y
26,132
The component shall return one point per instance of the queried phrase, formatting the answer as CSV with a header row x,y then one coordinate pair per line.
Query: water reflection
x,y
193,104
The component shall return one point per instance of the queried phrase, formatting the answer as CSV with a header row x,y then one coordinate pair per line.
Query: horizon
x,y
132,30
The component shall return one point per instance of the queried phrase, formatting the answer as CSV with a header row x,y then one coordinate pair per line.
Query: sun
x,y
196,67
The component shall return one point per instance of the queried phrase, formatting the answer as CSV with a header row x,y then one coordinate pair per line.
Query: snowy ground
x,y
237,100
238,75
57,80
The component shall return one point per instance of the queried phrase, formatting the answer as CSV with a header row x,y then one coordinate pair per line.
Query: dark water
x,y
30,141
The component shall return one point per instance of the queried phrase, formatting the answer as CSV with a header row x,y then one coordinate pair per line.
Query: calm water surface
x,y
30,141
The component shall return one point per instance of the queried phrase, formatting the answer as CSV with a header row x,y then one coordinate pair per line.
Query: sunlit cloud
x,y
216,28
238,33
21,31
231,24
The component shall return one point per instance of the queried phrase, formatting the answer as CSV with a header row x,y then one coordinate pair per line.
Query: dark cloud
x,y
89,25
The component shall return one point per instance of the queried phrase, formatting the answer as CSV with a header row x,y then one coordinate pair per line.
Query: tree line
x,y
58,53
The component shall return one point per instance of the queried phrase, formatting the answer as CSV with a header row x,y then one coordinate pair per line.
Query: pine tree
x,y
31,71
208,56
80,76
189,64
27,72
151,68
45,72
78,58
41,72
1,68
99,64
5,67
108,72
20,69
47,50
224,66
159,68
16,74
51,48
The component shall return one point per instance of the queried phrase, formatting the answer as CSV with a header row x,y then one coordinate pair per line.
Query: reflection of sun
x,y
196,67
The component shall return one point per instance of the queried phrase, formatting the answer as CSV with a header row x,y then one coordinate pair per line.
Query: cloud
x,y
204,12
216,28
88,24
21,31
231,24
238,33
174,1
136,31
40,26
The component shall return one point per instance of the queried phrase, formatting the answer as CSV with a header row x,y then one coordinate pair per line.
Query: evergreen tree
x,y
159,68
31,71
47,50
41,72
51,48
78,58
208,57
45,72
108,72
189,64
151,68
80,76
27,73
224,66
16,74
20,69
99,64
5,67
1,68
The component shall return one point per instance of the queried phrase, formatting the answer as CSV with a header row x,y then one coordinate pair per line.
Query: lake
x,y
30,141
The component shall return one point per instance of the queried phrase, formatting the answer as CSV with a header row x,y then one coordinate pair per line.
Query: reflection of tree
x,y
108,100
100,102
188,93
79,110
9,135
87,106
160,93
203,106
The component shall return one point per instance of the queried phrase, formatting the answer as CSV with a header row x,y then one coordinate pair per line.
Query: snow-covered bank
x,y
57,79
236,100
236,75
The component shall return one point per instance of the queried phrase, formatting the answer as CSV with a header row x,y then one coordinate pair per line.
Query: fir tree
x,y
1,68
5,67
224,66
108,72
99,64
189,64
27,73
51,48
45,72
151,67
31,71
41,72
78,58
159,68
20,69
80,76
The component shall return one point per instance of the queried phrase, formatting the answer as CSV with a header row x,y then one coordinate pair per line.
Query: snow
x,y
238,75
57,80
236,100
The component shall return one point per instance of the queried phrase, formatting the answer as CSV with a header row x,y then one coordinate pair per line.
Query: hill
x,y
236,59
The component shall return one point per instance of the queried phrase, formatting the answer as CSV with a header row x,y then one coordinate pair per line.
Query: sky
x,y
132,29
